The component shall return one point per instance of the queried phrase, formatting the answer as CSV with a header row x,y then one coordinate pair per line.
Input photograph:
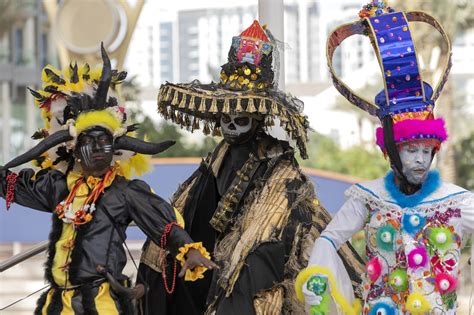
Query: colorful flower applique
x,y
382,308
412,223
386,237
417,257
440,238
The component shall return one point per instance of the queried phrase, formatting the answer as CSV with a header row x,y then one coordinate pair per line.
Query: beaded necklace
x,y
65,211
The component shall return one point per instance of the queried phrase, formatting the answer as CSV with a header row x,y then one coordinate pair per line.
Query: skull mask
x,y
237,129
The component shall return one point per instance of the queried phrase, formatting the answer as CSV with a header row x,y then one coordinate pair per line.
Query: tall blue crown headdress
x,y
406,98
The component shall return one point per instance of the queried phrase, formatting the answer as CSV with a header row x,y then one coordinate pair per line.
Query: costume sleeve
x,y
151,214
347,221
467,214
42,191
324,259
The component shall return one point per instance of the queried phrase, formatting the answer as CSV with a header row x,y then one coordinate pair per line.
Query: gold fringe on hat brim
x,y
194,109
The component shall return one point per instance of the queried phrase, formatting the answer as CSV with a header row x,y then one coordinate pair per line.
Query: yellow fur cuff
x,y
198,271
346,307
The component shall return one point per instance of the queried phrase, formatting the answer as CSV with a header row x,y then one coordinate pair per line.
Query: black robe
x,y
98,242
218,210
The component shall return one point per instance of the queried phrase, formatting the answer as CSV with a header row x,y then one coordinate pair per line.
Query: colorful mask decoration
x,y
374,269
412,223
399,280
251,45
386,237
246,86
417,258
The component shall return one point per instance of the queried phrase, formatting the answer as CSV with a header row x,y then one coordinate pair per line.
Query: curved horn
x,y
140,146
46,144
105,79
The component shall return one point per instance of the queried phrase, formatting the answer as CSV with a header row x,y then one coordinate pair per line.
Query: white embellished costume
x,y
413,225
413,244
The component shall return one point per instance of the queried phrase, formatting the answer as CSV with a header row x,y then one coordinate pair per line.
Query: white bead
x,y
414,220
417,304
386,237
370,269
418,259
397,281
441,238
444,284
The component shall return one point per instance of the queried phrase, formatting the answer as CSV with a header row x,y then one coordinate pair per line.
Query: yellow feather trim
x,y
137,165
101,118
95,73
346,307
179,217
417,304
198,271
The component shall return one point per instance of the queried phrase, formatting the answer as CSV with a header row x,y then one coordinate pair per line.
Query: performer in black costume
x,y
248,200
83,183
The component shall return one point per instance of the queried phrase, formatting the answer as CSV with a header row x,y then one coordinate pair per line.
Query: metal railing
x,y
16,259
27,254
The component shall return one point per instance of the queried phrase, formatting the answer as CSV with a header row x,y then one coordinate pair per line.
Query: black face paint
x,y
94,148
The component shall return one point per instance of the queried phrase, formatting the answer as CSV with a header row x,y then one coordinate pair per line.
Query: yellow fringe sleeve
x,y
180,220
198,271
347,308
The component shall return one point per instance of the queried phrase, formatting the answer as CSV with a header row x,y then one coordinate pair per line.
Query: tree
x,y
355,161
464,153
343,104
157,132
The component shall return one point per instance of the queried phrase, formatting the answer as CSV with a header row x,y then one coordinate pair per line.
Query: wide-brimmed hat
x,y
405,106
246,86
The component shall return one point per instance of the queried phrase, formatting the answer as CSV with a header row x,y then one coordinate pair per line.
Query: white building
x,y
192,40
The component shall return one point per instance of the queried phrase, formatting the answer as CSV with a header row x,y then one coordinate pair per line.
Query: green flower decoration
x,y
399,280
441,238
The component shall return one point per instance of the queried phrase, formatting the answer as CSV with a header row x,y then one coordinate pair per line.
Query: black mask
x,y
95,150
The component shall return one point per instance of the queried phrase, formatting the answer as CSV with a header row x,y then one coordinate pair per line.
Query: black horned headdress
x,y
75,100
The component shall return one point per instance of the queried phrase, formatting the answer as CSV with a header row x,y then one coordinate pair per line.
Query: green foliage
x,y
157,132
356,161
464,152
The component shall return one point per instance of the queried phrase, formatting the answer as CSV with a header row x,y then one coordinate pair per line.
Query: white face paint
x,y
236,128
416,161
